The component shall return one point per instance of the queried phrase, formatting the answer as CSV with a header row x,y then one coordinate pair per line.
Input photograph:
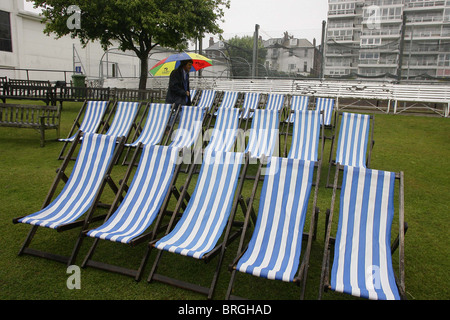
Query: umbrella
x,y
165,66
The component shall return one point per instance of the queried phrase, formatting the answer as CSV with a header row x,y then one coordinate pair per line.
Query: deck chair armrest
x,y
16,220
233,264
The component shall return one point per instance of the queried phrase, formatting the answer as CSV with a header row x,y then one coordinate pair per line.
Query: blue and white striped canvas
x,y
225,130
298,103
77,196
275,247
144,197
189,128
326,105
275,102
362,263
95,110
209,208
353,138
207,99
305,136
229,99
251,102
193,93
123,119
153,131
263,133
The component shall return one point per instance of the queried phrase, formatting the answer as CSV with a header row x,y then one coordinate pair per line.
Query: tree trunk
x,y
144,72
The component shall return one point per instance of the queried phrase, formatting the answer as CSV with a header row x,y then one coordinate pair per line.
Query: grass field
x,y
417,145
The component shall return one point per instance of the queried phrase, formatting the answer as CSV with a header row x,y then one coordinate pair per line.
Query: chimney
x,y
211,41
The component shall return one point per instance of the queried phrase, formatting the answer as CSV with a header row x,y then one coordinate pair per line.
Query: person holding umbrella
x,y
178,91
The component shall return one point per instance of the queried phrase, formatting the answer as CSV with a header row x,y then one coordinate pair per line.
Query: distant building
x,y
365,38
292,56
286,56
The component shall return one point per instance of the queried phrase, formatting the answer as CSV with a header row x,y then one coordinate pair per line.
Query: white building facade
x,y
26,52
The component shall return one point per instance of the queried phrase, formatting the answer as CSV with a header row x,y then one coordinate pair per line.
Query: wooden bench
x,y
31,116
28,90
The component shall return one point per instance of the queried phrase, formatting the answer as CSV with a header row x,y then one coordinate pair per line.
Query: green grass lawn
x,y
417,145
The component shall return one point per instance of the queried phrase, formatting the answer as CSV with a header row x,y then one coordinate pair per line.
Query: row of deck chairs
x,y
125,115
203,223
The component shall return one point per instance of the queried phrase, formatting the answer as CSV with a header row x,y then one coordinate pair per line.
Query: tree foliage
x,y
137,25
240,51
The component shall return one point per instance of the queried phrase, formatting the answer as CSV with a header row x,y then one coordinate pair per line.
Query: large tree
x,y
137,25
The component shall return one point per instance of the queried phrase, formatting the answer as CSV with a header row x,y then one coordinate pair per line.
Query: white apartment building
x,y
365,38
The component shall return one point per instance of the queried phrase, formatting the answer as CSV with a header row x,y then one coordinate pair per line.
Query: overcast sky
x,y
301,18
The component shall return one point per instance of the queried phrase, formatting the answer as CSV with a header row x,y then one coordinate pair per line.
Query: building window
x,y
5,32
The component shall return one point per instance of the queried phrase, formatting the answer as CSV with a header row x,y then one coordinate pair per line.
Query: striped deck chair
x,y
123,120
193,94
146,197
94,112
362,262
153,131
80,194
327,106
189,128
264,135
251,102
298,103
353,147
306,135
155,125
275,102
229,99
207,99
210,210
225,131
275,247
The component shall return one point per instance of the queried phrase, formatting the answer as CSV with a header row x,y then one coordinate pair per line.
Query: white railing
x,y
397,98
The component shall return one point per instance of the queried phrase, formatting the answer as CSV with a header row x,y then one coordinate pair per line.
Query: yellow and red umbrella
x,y
165,66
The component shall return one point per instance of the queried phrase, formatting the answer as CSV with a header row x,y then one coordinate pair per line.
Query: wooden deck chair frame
x,y
144,237
78,122
302,271
88,216
369,147
228,236
141,128
398,243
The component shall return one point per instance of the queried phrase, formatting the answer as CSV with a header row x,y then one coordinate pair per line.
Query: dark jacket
x,y
176,92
